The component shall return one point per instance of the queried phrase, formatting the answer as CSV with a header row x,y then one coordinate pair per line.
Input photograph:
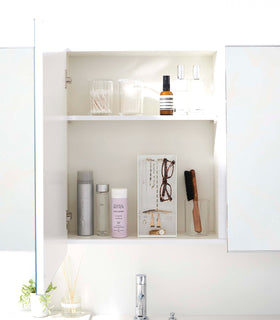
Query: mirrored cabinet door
x,y
33,150
253,153
33,167
17,227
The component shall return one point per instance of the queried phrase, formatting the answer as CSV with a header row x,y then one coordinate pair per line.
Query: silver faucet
x,y
172,316
141,297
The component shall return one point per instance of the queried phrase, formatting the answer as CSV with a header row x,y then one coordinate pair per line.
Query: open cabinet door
x,y
17,157
51,165
253,153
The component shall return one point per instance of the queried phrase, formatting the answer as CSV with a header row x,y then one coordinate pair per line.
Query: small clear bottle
x,y
102,209
197,91
181,94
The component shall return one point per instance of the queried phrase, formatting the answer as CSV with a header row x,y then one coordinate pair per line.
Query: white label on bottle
x,y
166,102
119,217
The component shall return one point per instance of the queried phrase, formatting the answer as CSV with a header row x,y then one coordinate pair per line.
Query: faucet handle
x,y
172,316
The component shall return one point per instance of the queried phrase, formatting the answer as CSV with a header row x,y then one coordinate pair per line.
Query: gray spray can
x,y
85,203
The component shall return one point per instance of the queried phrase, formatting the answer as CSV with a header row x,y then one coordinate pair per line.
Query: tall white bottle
x,y
181,92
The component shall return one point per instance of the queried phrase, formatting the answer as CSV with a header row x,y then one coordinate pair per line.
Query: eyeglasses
x,y
167,170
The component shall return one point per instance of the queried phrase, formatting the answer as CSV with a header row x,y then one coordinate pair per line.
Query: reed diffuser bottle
x,y
166,98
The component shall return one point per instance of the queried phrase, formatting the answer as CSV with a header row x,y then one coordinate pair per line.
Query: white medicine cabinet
x,y
69,139
74,140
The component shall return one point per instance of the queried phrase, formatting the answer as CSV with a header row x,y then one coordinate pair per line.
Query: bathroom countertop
x,y
24,315
194,317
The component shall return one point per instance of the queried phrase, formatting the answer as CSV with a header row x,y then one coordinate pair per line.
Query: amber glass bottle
x,y
166,98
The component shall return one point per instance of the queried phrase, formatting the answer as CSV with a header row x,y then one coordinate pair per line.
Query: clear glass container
x,y
131,96
71,307
197,93
102,209
204,207
181,92
101,96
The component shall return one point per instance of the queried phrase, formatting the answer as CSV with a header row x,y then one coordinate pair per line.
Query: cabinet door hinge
x,y
68,79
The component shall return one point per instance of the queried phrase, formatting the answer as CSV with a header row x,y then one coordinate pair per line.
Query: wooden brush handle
x,y
195,198
196,214
196,217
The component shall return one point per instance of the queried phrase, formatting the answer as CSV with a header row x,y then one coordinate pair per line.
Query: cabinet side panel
x,y
55,162
54,206
253,157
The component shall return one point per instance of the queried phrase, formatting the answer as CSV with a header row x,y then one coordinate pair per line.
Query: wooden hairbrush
x,y
191,189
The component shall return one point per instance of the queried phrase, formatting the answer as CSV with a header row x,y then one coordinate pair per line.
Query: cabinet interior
x,y
146,66
110,148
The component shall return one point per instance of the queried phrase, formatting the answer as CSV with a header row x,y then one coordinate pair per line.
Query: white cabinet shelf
x,y
74,239
141,117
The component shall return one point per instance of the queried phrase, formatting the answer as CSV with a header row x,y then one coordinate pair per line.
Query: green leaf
x,y
26,290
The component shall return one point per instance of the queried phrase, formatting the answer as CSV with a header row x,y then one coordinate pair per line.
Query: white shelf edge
x,y
208,117
199,51
181,238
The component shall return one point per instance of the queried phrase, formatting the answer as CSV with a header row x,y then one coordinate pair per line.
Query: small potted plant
x,y
40,304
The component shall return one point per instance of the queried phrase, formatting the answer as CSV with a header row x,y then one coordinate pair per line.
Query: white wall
x,y
189,279
16,268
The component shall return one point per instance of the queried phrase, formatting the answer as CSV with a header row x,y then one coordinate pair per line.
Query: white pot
x,y
37,308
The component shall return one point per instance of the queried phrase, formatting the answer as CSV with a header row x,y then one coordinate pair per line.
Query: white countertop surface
x,y
24,315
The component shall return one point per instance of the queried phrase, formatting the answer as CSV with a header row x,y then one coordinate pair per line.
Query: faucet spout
x,y
141,298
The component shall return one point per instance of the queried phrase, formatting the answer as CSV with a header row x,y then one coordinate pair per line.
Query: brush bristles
x,y
189,185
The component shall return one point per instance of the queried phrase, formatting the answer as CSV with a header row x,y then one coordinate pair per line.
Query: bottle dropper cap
x,y
166,83
180,72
